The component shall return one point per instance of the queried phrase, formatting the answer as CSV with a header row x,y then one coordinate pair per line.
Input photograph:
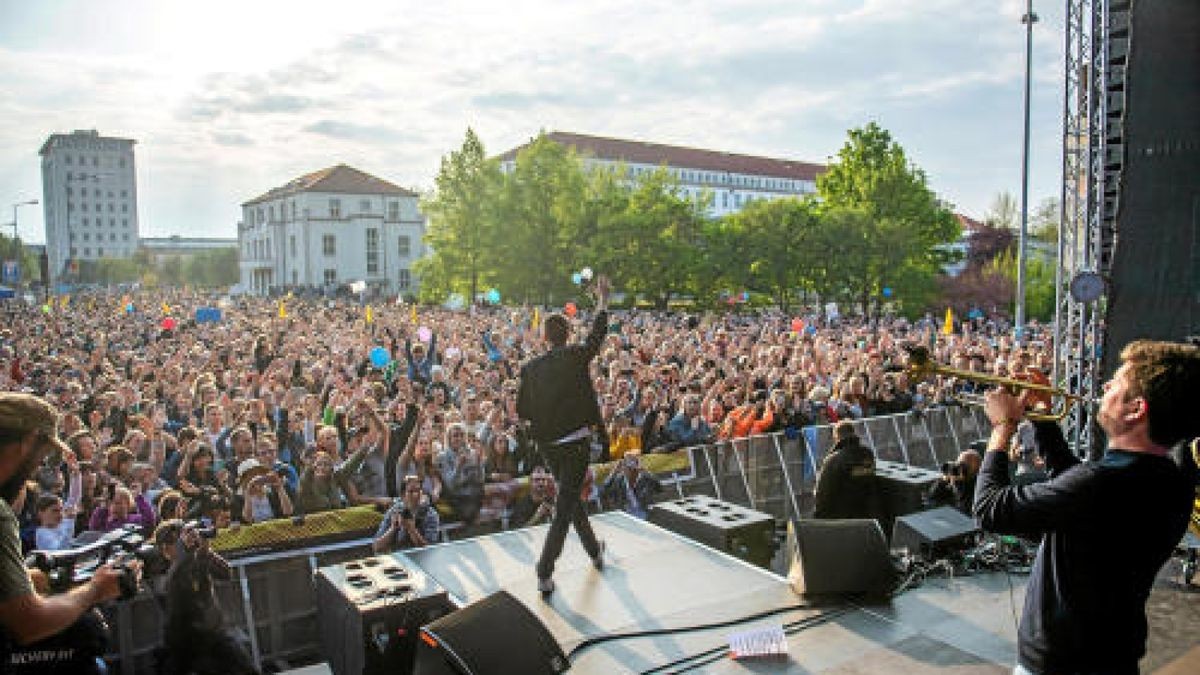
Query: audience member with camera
x,y
956,487
28,432
410,522
195,637
630,487
537,505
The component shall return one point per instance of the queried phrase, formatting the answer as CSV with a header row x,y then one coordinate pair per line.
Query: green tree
x,y
212,268
1004,212
170,271
1044,221
462,219
537,243
902,243
1039,282
773,243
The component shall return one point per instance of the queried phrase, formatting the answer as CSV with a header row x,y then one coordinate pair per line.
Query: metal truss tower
x,y
1096,52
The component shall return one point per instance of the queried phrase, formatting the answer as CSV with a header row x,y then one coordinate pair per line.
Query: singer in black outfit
x,y
557,399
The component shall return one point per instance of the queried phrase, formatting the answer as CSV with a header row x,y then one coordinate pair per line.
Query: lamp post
x,y
16,206
1028,18
18,249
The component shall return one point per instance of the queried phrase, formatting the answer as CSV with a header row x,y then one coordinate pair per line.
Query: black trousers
x,y
568,463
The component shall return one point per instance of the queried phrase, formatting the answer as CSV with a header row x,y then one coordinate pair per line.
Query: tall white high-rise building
x,y
89,198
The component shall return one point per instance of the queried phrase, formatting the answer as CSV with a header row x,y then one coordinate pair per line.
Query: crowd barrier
x,y
271,599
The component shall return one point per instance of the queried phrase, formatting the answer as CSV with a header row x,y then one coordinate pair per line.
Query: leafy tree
x,y
896,222
170,271
462,219
212,268
773,243
1044,222
1039,283
537,244
1004,212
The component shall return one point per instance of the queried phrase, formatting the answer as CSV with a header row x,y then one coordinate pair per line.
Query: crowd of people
x,y
294,406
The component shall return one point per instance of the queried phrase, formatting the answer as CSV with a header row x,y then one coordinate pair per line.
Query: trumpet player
x,y
1106,526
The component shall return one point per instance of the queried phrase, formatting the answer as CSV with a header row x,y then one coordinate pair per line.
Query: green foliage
x,y
1040,276
772,246
894,234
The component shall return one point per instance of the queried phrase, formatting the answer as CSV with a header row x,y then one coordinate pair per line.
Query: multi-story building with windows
x,y
733,180
89,198
330,227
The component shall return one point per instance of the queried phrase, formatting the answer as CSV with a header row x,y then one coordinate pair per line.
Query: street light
x,y
16,206
1028,18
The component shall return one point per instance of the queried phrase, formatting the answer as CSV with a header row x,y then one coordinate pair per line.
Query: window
x,y
110,208
364,206
85,222
68,190
328,244
124,222
121,163
271,214
70,207
110,194
95,161
74,251
112,236
125,237
72,236
403,279
112,222
100,252
335,208
87,252
293,210
68,162
405,245
124,194
724,200
372,251
393,210
83,206
330,277
124,208
292,245
87,237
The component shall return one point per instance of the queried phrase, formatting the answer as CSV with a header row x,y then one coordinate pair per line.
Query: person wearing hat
x,y
29,432
262,494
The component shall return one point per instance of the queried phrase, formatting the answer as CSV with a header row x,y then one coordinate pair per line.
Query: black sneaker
x,y
598,559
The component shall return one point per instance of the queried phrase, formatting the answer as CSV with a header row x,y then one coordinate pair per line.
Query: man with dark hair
x,y
1107,526
28,432
846,484
557,398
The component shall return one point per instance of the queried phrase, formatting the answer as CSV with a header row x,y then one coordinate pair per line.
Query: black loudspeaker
x,y
1154,289
736,530
369,612
930,534
839,557
495,635
902,489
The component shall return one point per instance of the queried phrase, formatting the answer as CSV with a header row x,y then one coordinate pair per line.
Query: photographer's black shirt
x,y
1106,528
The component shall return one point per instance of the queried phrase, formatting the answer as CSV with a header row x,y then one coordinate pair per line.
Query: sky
x,y
229,99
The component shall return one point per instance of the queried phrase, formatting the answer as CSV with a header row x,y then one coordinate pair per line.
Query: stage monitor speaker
x,y
496,634
839,557
369,612
736,530
930,534
1154,289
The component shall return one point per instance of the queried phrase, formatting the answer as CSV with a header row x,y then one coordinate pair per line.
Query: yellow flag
x,y
414,313
948,326
282,310
166,308
370,316
66,300
536,318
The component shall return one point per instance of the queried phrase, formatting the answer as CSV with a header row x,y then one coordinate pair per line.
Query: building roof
x,y
340,179
641,152
81,134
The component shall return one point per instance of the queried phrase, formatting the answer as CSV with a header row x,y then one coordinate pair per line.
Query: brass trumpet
x,y
920,366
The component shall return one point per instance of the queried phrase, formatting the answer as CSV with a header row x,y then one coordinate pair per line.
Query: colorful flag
x,y
948,325
166,308
536,318
414,313
65,300
282,310
370,316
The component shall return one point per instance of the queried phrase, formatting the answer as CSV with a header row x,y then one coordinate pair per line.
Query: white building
x,y
331,227
733,180
89,198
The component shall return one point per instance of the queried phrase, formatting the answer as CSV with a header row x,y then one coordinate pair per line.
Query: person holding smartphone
x,y
410,522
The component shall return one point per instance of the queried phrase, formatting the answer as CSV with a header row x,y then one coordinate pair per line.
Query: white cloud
x,y
291,87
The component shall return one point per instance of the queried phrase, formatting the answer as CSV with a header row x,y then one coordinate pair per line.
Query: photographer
x,y
410,522
195,639
28,432
957,485
536,506
630,487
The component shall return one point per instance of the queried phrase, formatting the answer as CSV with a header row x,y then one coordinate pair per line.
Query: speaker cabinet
x,y
736,530
902,489
933,533
495,635
369,612
833,558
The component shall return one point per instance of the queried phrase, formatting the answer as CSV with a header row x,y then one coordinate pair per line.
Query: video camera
x,y
71,567
955,469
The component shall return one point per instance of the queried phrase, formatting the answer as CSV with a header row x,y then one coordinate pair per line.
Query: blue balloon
x,y
576,278
380,357
887,291
493,296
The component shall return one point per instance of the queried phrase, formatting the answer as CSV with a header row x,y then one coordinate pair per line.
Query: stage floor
x,y
655,579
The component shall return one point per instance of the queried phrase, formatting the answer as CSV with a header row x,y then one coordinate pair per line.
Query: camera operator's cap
x,y
26,412
248,470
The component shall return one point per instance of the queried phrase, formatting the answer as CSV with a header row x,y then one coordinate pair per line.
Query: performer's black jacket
x,y
1106,528
556,392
